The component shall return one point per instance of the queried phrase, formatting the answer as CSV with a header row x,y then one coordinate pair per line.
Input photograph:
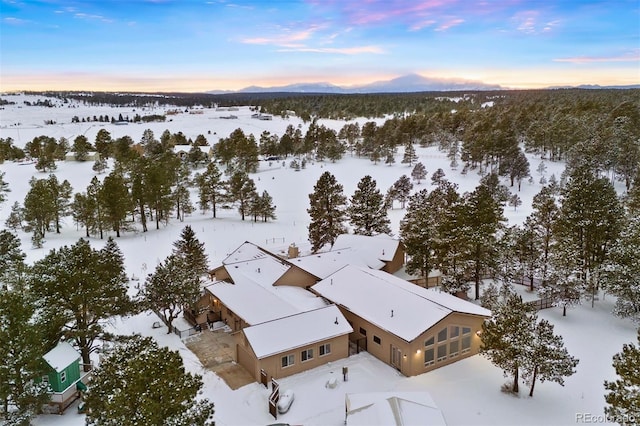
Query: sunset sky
x,y
191,45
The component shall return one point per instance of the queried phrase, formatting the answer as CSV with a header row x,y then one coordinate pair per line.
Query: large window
x,y
442,335
325,349
306,355
442,352
288,360
429,356
466,339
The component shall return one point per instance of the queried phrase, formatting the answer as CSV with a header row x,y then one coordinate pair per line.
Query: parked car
x,y
285,401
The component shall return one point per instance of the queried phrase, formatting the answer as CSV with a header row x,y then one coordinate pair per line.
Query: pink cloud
x,y
632,56
339,50
450,23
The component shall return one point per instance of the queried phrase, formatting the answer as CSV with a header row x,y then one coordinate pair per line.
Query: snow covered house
x,y
65,378
295,343
411,328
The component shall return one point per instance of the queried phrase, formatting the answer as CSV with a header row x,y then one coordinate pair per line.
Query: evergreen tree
x,y
181,195
81,288
191,252
39,207
419,172
242,190
170,288
82,212
402,189
418,234
81,147
547,358
21,351
623,398
410,155
14,220
367,211
4,188
541,223
621,272
100,165
115,202
563,284
265,208
507,334
327,210
103,144
589,222
94,208
210,187
515,201
61,196
142,383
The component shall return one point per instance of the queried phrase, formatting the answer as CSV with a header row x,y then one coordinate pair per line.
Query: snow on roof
x,y
283,334
392,408
264,270
392,304
182,148
324,264
381,247
246,252
251,302
61,356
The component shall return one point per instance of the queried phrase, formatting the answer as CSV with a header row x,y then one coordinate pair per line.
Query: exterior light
x,y
418,351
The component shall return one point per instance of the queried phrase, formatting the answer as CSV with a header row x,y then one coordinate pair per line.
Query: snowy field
x,y
467,392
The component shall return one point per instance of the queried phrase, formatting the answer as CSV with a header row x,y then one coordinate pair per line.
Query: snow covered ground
x,y
467,392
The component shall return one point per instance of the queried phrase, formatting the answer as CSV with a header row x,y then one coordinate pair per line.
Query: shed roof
x,y
61,356
392,408
295,331
395,305
381,246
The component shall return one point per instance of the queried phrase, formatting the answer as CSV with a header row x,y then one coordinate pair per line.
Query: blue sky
x,y
190,45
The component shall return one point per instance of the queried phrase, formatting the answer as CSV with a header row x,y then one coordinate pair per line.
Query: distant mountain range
x,y
404,84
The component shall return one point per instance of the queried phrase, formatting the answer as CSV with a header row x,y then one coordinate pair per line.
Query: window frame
x,y
306,355
286,358
377,340
326,348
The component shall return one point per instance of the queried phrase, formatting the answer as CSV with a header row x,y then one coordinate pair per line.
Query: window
x,y
428,357
306,355
288,360
63,377
453,348
466,339
442,335
363,331
376,339
442,352
325,349
455,332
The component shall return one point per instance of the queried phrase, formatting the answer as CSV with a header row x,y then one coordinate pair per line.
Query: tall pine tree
x,y
327,210
367,211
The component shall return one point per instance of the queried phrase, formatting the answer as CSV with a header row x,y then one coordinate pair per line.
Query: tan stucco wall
x,y
396,263
296,277
273,364
413,363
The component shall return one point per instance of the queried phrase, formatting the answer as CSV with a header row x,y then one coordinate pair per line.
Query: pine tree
x,y
402,189
410,155
589,222
547,358
21,352
506,336
81,148
14,220
266,209
81,288
115,201
419,172
541,222
210,187
623,398
169,289
418,234
100,165
103,144
94,208
241,190
4,188
621,272
39,207
327,210
61,196
563,284
515,201
142,383
367,211
191,251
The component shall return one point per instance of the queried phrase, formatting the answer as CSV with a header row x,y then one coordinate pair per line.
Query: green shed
x,y
66,381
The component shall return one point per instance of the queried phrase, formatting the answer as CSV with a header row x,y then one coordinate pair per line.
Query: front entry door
x,y
396,358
